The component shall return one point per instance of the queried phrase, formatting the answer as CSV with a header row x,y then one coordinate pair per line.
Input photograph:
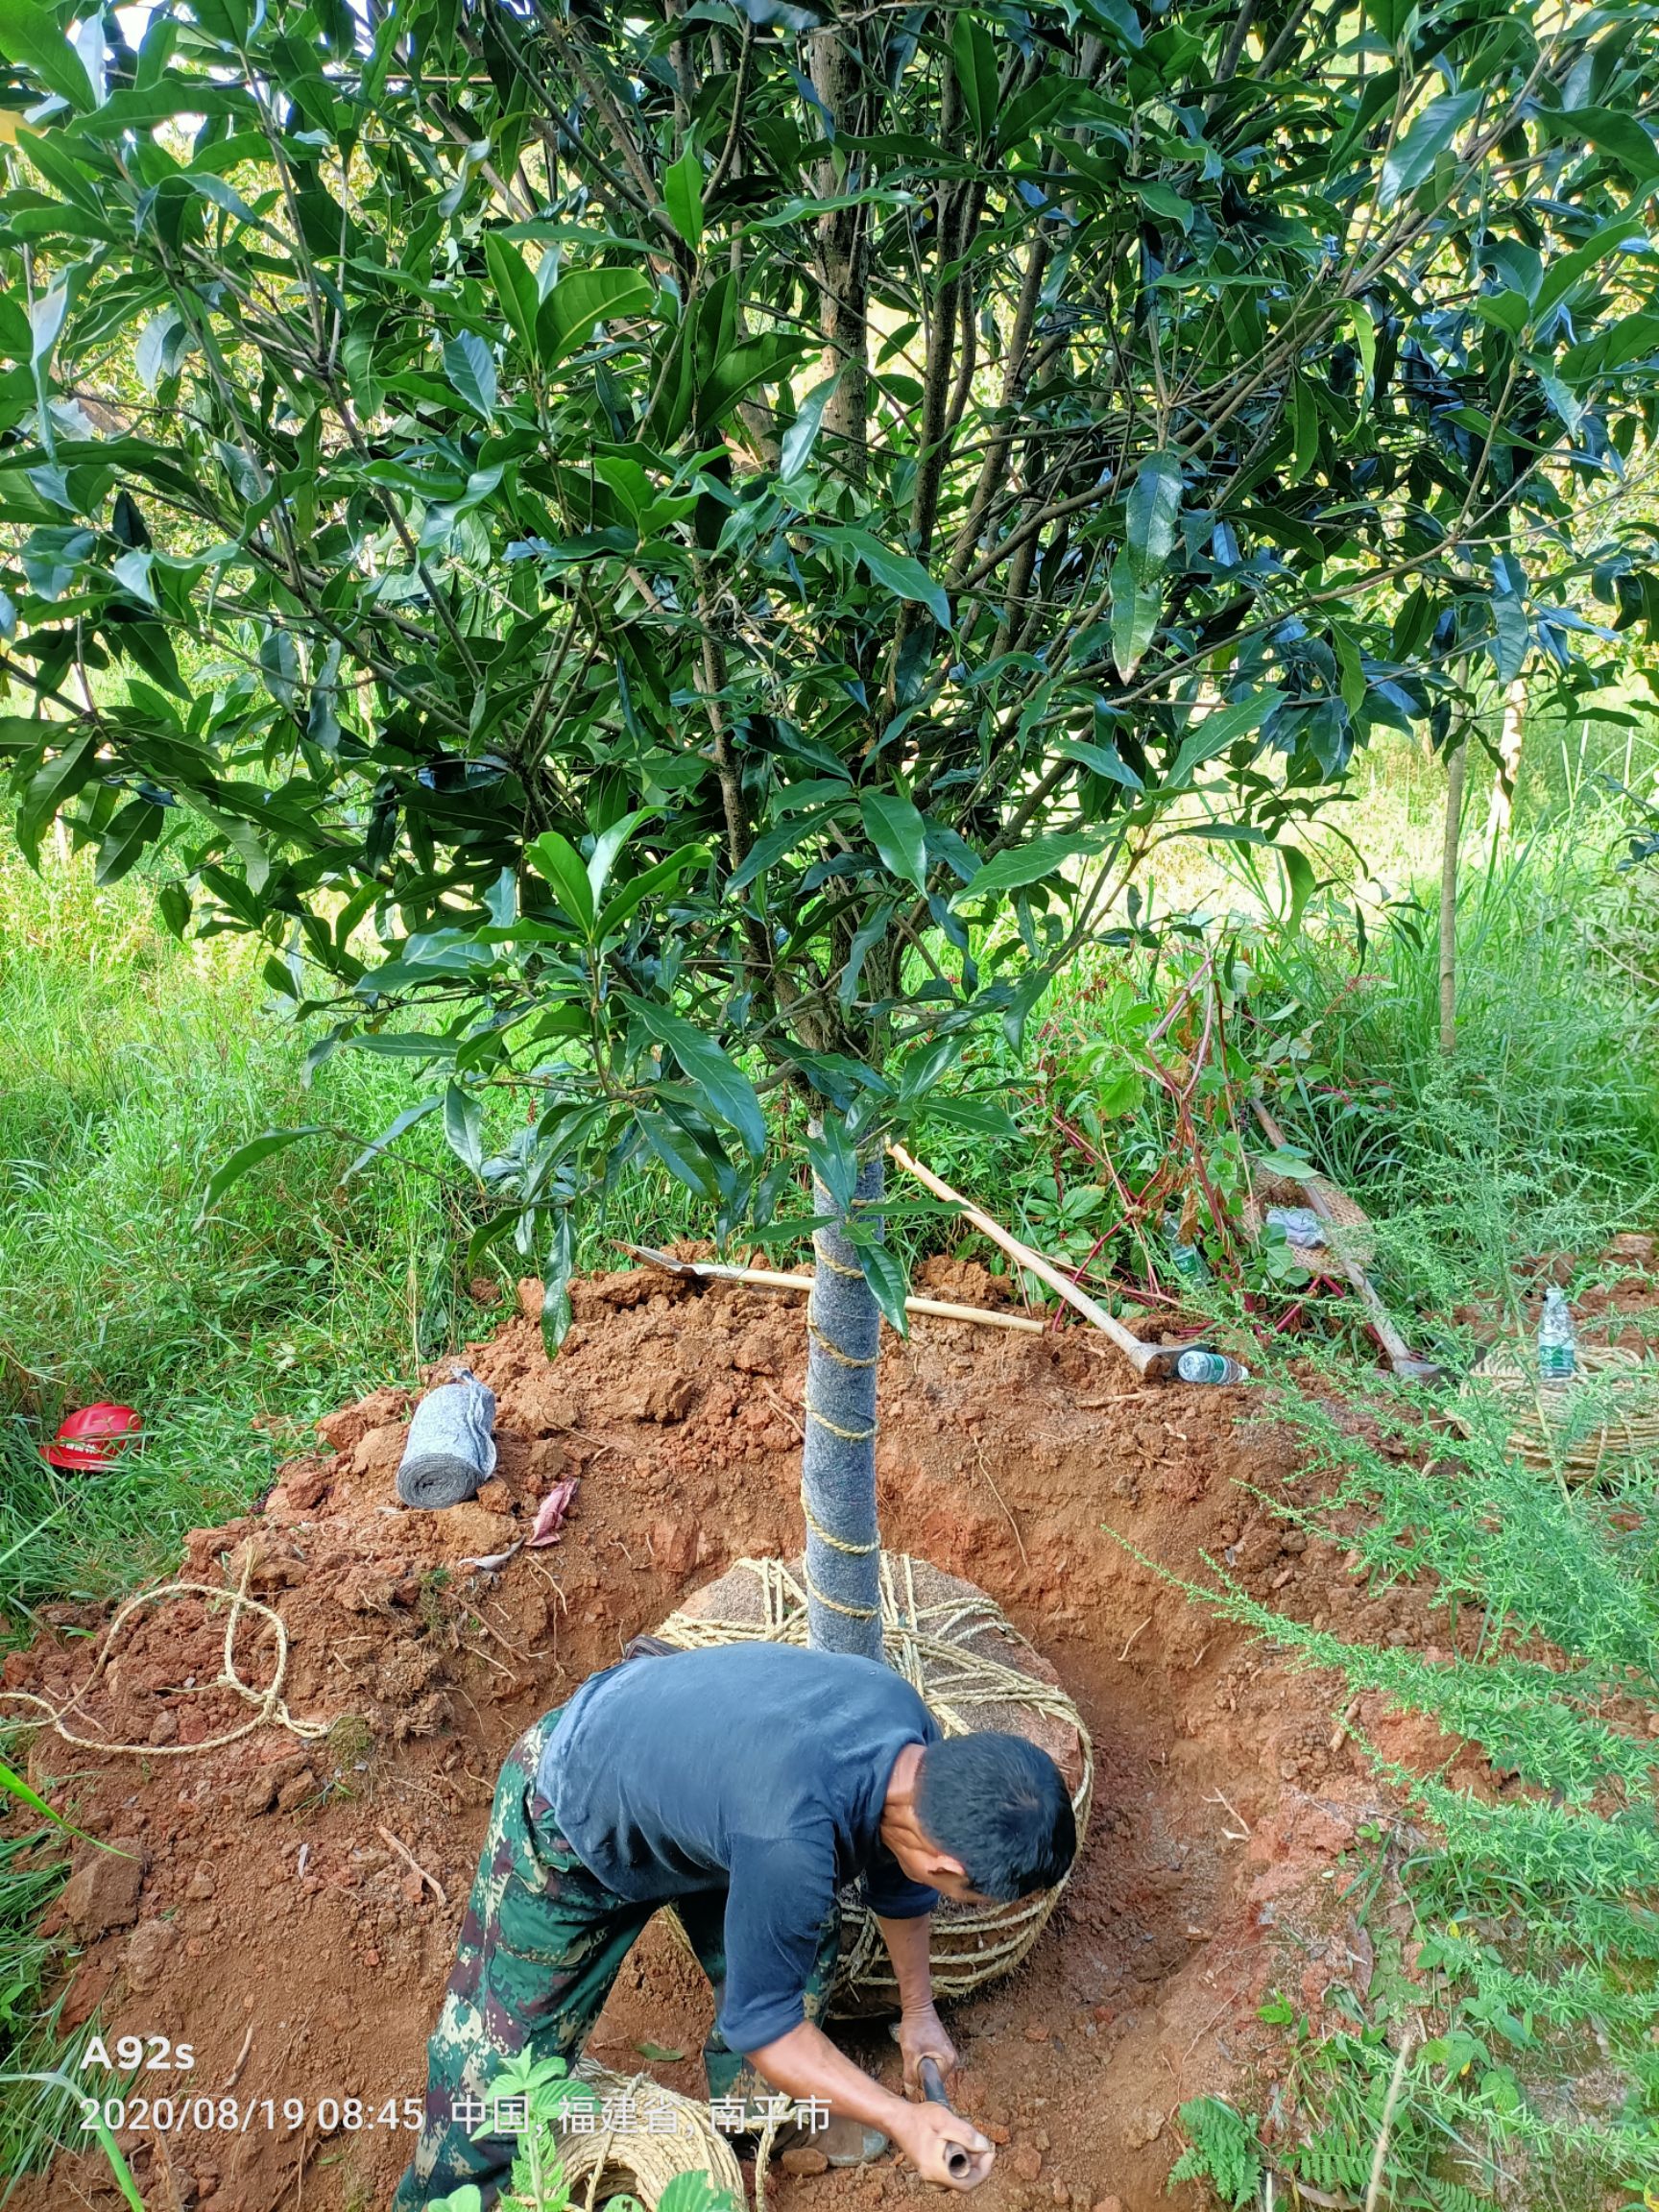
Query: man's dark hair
x,y
999,1805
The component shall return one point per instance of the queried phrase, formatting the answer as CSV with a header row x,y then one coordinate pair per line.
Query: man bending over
x,y
744,1786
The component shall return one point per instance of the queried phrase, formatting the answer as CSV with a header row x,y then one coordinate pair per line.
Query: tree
x,y
678,559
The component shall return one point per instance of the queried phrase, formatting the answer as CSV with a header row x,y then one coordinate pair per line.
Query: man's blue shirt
x,y
756,1769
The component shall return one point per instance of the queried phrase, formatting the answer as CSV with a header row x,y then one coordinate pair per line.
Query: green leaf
x,y
1025,864
14,1786
646,885
30,37
682,197
1624,235
1300,877
727,1091
122,845
1151,511
247,1158
1137,603
889,1285
1150,515
900,573
1305,417
1165,203
1512,636
470,368
45,322
1389,19
697,2192
463,1127
1213,736
390,1136
557,1270
678,1154
974,54
802,434
1423,145
174,905
1618,134
226,21
514,288
608,845
975,1117
770,847
899,834
751,362
576,303
51,787
1103,759
558,863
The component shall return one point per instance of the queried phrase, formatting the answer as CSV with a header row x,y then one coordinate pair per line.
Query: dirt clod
x,y
804,2160
144,1958
102,1892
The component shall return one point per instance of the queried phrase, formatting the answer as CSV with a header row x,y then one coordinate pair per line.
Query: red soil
x,y
263,1917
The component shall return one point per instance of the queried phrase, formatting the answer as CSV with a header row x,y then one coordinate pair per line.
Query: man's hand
x,y
928,2133
921,2035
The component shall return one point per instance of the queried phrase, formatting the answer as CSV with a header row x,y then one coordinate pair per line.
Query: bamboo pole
x,y
763,1279
1143,1357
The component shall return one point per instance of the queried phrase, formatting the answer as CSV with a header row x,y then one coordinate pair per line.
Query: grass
x,y
133,1067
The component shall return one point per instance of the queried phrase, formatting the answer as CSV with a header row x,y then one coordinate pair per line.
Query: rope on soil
x,y
641,2162
937,1644
269,1700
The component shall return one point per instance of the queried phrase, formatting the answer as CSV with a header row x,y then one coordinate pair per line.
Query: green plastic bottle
x,y
1199,1365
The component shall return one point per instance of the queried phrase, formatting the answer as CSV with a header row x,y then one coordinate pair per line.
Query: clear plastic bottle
x,y
1197,1365
1557,1341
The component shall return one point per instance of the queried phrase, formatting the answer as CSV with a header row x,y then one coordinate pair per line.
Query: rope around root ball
x,y
269,1700
931,1642
641,2162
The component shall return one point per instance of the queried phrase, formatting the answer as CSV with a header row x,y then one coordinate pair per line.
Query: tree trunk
x,y
1511,732
838,1458
1455,766
836,61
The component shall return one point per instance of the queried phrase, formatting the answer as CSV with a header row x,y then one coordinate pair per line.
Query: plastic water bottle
x,y
1200,1366
1557,1341
1186,1259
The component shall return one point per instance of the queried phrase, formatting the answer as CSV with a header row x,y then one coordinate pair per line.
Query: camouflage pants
x,y
540,1944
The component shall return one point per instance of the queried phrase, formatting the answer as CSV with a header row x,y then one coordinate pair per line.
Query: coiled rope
x,y
269,1702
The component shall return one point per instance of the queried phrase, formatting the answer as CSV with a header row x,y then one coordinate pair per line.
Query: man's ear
x,y
942,1862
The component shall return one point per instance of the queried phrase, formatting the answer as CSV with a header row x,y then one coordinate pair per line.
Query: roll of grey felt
x,y
838,1458
451,1448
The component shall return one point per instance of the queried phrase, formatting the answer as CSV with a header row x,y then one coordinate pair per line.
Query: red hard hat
x,y
96,1436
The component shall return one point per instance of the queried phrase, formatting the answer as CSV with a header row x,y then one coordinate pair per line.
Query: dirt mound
x,y
288,1907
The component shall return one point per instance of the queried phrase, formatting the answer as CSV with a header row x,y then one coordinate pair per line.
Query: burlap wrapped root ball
x,y
976,1670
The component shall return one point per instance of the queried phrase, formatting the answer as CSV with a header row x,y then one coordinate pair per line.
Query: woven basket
x,y
640,2162
1611,1412
1347,1223
974,1670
